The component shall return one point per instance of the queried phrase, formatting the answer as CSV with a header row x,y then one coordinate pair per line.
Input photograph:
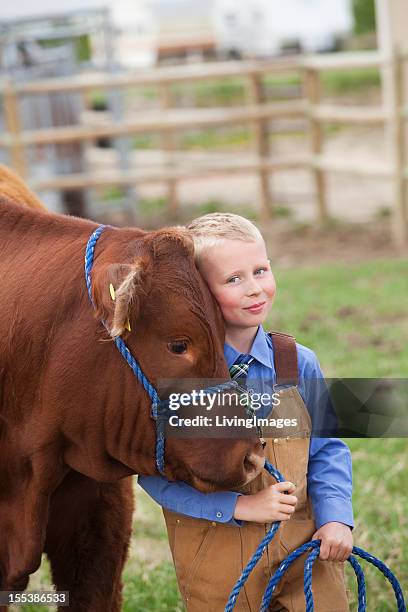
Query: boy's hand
x,y
268,505
336,541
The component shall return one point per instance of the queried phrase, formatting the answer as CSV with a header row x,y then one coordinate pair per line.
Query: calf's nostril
x,y
254,462
248,465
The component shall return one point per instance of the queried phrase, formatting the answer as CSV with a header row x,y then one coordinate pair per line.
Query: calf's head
x,y
161,307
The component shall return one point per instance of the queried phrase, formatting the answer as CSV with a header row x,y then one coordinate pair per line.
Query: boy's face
x,y
239,276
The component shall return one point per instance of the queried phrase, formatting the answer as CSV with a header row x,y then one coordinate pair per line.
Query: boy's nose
x,y
254,289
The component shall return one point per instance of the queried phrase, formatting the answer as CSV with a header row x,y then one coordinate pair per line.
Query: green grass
x,y
215,138
353,316
344,82
222,139
152,589
146,141
219,92
151,206
149,579
380,472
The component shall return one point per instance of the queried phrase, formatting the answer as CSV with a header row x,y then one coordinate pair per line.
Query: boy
x,y
209,542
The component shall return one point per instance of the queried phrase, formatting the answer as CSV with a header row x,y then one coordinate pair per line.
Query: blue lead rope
x,y
314,547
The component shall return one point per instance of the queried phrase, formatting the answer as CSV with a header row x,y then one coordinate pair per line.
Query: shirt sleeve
x,y
182,498
329,481
329,477
316,395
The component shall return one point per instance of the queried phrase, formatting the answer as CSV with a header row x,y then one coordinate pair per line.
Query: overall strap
x,y
285,358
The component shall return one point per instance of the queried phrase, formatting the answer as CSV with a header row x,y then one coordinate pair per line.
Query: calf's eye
x,y
178,347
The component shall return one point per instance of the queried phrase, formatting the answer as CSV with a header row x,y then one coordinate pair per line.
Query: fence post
x,y
14,128
392,22
168,147
312,92
261,145
398,135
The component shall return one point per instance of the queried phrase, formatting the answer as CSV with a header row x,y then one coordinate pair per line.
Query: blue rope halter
x,y
160,408
314,547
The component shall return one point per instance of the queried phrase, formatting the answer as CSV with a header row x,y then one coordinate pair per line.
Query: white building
x,y
151,29
248,27
136,32
266,27
185,28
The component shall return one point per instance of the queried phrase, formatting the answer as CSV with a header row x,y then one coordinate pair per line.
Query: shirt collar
x,y
261,349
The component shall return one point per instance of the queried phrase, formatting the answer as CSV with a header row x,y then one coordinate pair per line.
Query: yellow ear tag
x,y
127,325
112,291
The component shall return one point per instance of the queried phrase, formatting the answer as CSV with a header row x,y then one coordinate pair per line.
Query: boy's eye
x,y
233,279
260,271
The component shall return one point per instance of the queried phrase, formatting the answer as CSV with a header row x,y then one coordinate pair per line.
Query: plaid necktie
x,y
239,373
239,369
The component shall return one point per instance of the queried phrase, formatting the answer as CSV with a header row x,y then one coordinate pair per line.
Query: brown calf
x,y
74,422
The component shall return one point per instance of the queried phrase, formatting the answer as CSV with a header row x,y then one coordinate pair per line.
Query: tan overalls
x,y
209,557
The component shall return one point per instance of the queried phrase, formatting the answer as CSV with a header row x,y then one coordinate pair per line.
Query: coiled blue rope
x,y
314,547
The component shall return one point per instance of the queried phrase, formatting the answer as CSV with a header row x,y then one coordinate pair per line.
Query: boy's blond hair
x,y
207,231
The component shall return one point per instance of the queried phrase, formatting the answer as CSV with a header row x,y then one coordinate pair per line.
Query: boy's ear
x,y
118,291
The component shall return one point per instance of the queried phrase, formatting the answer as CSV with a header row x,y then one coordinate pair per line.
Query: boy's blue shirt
x,y
329,477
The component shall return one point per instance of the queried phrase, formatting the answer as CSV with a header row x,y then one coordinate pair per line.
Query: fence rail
x,y
176,119
257,112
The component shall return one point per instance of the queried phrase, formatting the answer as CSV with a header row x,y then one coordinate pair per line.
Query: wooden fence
x,y
257,112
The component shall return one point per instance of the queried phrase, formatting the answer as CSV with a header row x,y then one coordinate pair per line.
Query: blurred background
x,y
152,112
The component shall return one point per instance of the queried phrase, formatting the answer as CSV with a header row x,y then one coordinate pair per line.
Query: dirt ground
x,y
343,243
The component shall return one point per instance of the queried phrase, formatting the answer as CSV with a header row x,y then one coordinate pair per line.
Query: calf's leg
x,y
87,540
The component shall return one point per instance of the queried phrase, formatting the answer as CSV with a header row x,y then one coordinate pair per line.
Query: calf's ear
x,y
118,291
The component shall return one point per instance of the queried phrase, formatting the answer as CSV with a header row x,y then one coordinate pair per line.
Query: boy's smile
x,y
256,308
239,276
